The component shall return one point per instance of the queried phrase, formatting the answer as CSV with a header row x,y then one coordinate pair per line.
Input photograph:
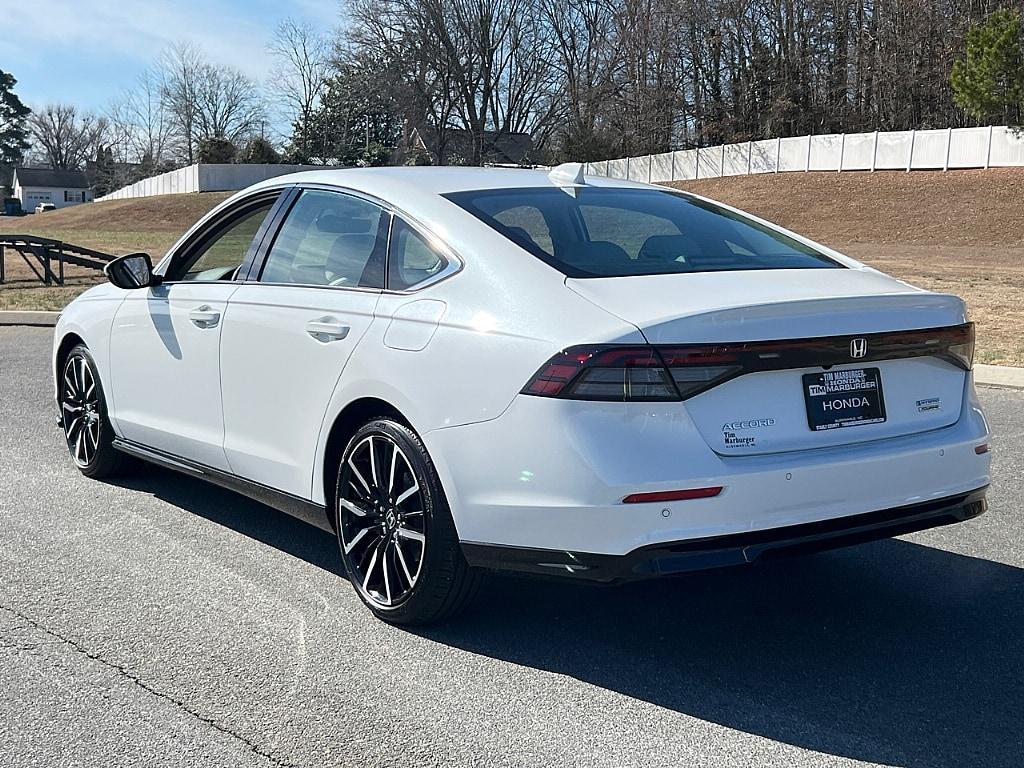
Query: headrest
x,y
522,236
336,224
591,256
668,248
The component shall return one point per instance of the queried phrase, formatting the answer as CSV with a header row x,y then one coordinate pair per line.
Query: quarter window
x,y
412,259
329,238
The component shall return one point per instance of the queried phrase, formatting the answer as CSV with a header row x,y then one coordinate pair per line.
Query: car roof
x,y
401,181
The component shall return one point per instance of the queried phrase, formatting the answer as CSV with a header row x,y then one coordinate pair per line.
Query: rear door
x,y
291,329
165,340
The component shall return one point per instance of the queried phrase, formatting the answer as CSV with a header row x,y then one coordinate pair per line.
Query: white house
x,y
43,185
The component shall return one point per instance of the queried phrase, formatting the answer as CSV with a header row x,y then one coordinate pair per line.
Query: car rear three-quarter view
x,y
457,370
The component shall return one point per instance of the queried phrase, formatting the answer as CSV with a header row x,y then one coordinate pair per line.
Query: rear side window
x,y
329,238
412,260
608,232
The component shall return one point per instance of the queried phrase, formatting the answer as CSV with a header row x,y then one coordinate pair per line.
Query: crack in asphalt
x,y
139,682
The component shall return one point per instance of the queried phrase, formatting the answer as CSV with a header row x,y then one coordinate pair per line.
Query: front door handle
x,y
204,316
327,329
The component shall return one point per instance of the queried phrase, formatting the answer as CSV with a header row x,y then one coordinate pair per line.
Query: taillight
x,y
604,373
961,346
676,372
694,369
621,374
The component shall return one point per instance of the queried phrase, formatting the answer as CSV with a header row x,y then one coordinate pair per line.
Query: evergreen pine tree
x,y
988,81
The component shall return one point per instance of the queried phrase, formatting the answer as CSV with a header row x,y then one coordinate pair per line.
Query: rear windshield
x,y
609,232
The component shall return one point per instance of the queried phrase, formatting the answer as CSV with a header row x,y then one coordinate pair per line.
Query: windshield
x,y
611,232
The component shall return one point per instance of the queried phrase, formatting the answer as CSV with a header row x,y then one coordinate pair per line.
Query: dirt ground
x,y
958,232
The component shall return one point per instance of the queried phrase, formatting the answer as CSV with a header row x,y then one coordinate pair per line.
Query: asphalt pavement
x,y
160,621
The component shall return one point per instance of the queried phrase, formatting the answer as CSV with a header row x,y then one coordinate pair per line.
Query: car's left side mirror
x,y
134,270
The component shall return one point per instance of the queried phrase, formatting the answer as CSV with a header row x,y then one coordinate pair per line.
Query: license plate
x,y
849,398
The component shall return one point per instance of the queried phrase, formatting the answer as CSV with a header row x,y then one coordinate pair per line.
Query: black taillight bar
x,y
560,376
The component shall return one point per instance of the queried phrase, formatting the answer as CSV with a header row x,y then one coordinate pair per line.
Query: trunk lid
x,y
770,411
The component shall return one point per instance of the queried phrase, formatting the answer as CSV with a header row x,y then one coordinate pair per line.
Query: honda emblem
x,y
858,348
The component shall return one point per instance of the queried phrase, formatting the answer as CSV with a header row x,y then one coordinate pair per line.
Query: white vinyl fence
x,y
205,177
943,149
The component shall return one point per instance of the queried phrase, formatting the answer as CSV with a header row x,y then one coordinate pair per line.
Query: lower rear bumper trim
x,y
733,549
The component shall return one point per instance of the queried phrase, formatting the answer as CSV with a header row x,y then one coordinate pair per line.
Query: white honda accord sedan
x,y
462,370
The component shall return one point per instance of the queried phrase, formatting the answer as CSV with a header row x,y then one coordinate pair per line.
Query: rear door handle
x,y
327,329
204,316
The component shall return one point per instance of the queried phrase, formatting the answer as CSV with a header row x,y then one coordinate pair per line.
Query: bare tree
x,y
141,123
206,100
179,72
585,62
485,63
65,137
298,78
228,105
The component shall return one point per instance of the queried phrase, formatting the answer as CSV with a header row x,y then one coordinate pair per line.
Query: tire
x,y
395,529
87,429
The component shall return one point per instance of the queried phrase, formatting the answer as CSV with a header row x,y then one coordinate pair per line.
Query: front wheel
x,y
395,530
87,429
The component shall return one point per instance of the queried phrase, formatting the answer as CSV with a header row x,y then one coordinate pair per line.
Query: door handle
x,y
204,316
327,329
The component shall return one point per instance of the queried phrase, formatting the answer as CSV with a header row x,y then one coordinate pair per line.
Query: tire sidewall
x,y
437,525
104,449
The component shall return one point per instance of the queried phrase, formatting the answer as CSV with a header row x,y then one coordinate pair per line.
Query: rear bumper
x,y
735,549
552,475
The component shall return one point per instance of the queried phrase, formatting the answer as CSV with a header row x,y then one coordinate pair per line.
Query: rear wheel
x,y
83,408
395,530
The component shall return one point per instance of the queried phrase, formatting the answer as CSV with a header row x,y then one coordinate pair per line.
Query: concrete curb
x,y
988,375
999,376
44,319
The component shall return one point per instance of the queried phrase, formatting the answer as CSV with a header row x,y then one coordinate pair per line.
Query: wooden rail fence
x,y
46,257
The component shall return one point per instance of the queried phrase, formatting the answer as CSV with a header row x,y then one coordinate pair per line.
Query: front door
x,y
288,335
165,342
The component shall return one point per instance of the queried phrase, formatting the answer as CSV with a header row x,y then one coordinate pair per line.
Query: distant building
x,y
44,185
455,147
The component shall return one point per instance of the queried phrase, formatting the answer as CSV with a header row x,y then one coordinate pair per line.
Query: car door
x,y
289,333
165,341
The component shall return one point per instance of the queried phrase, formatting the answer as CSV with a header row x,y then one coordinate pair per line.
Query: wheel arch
x,y
69,341
348,420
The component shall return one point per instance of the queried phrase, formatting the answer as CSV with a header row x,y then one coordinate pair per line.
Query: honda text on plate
x,y
462,370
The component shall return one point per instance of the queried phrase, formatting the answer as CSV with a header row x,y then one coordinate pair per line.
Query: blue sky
x,y
88,52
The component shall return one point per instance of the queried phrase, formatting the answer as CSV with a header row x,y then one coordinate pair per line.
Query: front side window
x,y
412,260
220,255
616,232
329,238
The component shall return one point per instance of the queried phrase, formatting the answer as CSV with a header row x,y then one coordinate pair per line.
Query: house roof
x,y
48,177
498,148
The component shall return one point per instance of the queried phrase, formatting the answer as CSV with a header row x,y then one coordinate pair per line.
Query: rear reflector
x,y
686,495
980,449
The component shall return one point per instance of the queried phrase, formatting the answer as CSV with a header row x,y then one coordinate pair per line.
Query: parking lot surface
x,y
160,621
